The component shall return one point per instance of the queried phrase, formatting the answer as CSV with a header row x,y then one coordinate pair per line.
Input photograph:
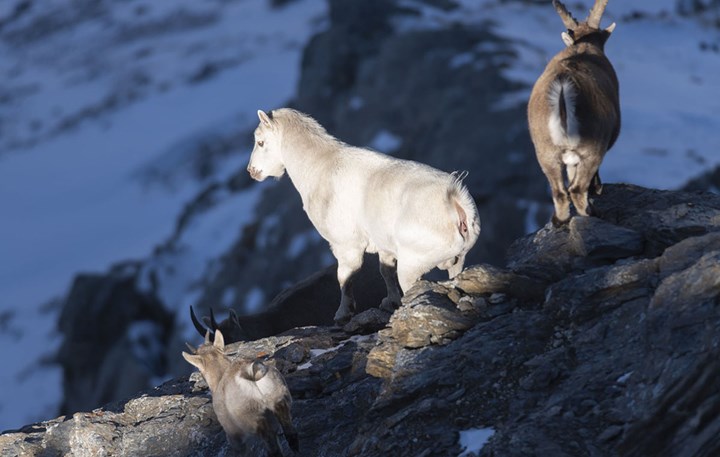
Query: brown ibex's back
x,y
250,398
574,112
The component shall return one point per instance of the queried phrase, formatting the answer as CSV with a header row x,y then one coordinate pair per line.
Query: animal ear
x,y
194,360
567,39
219,340
264,118
259,370
610,28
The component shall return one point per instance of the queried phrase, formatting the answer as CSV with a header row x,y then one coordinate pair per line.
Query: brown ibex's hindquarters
x,y
586,175
553,170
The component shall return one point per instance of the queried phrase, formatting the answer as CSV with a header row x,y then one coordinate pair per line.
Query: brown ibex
x,y
574,112
249,397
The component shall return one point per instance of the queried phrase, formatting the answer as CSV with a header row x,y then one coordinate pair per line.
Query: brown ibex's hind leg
x,y
554,173
596,186
587,171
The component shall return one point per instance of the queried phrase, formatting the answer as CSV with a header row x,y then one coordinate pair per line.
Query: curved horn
x,y
567,18
198,326
596,13
213,322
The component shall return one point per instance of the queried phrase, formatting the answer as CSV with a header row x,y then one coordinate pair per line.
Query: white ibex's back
x,y
414,216
574,112
249,397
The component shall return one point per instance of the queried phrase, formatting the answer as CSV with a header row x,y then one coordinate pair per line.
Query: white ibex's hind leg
x,y
409,273
554,173
388,270
349,262
457,266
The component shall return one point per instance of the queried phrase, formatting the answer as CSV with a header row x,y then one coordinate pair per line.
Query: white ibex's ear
x,y
264,118
219,340
567,39
610,28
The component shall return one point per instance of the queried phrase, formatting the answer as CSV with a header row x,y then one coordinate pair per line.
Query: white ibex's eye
x,y
260,143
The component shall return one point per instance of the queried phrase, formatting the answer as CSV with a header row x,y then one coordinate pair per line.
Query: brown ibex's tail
x,y
563,123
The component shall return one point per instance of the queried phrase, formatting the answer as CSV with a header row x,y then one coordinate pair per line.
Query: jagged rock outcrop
x,y
599,338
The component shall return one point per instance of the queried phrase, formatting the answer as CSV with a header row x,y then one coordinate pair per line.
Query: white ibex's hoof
x,y
342,317
389,305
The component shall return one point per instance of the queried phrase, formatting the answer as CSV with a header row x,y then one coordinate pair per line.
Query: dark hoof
x,y
590,210
389,305
557,223
342,320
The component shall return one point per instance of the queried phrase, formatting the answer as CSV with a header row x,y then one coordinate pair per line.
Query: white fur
x,y
363,201
570,158
567,138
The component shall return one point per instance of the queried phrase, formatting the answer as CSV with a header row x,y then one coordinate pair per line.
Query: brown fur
x,y
250,398
596,109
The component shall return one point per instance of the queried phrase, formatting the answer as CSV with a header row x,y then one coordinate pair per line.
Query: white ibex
x,y
249,397
414,216
574,112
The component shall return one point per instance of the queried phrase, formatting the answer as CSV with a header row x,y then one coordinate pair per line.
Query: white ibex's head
x,y
266,159
586,30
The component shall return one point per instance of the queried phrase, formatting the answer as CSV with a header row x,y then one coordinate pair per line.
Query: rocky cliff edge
x,y
599,338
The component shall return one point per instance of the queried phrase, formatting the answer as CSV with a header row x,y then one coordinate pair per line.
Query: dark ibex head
x,y
588,30
230,327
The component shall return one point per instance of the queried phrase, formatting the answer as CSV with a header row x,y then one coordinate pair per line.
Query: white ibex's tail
x,y
563,123
468,221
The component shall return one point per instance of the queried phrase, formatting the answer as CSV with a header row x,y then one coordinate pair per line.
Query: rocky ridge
x,y
599,338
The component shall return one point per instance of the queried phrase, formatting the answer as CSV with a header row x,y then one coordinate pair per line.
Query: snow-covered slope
x,y
667,66
111,114
114,115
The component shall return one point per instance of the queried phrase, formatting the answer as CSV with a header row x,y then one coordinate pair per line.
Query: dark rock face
x,y
115,340
565,352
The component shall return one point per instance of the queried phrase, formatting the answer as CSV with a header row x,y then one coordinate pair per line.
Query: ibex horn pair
x,y
231,327
593,19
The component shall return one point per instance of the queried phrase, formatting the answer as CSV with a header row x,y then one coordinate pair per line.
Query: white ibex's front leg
x,y
388,270
349,262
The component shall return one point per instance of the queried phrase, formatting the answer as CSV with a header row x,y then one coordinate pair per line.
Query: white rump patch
x,y
569,138
570,158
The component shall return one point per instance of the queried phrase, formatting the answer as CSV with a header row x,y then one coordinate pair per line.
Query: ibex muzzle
x,y
574,112
250,398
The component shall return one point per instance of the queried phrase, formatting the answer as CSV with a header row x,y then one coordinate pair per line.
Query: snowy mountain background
x,y
125,129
